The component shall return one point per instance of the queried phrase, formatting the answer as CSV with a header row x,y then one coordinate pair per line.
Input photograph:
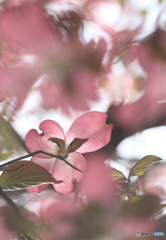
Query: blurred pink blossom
x,y
21,28
120,87
124,47
5,233
145,111
56,215
72,92
71,68
97,185
89,128
2,97
128,226
52,213
21,33
16,82
72,75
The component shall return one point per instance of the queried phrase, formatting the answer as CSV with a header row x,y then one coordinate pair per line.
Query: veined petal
x,y
35,141
90,125
62,171
48,165
37,189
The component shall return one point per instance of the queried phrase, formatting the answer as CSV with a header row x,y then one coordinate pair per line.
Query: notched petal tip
x,y
91,125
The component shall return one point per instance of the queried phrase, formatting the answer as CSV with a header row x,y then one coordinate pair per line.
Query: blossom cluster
x,y
75,55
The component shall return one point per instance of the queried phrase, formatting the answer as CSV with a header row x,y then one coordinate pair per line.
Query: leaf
x,y
142,205
75,144
4,156
59,142
139,168
25,174
134,199
9,137
121,189
117,175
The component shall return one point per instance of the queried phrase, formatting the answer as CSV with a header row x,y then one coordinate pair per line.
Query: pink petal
x,y
2,97
83,82
17,81
48,165
52,96
35,141
21,26
90,125
61,171
6,233
37,189
97,185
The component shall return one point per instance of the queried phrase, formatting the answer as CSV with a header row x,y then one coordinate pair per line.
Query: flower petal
x,y
90,125
97,185
48,165
61,171
37,189
21,26
35,141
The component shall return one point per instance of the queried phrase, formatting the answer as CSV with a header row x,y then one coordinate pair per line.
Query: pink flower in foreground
x,y
88,133
97,175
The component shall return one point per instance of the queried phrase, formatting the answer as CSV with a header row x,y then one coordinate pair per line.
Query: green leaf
x,y
9,138
25,174
134,199
75,144
141,205
139,168
117,175
4,156
59,142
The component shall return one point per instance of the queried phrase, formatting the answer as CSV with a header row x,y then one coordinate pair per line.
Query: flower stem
x,y
10,202
43,152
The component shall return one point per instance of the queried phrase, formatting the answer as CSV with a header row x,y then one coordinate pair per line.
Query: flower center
x,y
73,146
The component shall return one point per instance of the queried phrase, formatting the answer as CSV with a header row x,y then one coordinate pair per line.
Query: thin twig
x,y
43,152
10,202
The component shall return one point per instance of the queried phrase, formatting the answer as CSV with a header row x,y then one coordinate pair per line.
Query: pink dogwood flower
x,y
88,133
